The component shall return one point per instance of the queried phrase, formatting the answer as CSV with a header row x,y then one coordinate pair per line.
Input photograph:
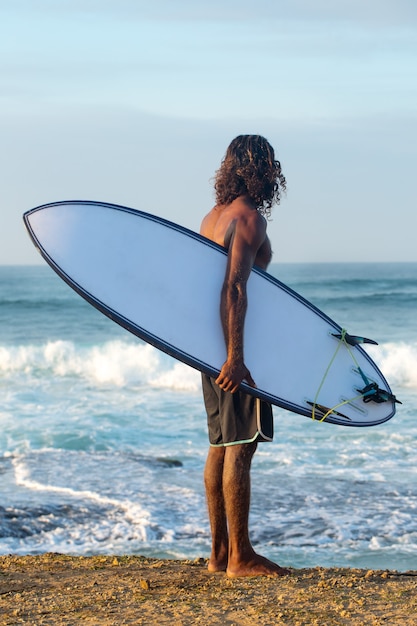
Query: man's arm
x,y
247,238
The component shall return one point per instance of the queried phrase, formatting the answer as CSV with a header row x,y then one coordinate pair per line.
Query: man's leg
x,y
213,479
243,560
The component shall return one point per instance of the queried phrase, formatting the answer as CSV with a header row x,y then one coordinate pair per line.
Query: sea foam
x,y
115,362
122,363
398,363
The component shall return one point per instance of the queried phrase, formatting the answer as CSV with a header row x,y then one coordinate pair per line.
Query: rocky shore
x,y
61,590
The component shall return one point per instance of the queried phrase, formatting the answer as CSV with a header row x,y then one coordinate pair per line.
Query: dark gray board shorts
x,y
235,418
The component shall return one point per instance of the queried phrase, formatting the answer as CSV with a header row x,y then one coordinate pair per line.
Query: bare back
x,y
220,225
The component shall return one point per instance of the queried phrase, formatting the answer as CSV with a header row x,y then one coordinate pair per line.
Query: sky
x,y
135,102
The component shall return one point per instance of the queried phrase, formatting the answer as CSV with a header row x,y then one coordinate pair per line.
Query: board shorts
x,y
235,418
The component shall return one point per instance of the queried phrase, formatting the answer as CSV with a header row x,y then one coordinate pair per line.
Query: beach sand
x,y
62,590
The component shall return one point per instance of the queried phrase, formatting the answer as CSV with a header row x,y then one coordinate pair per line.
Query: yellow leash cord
x,y
342,341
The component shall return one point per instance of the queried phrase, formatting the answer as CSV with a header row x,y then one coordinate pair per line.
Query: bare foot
x,y
256,566
217,565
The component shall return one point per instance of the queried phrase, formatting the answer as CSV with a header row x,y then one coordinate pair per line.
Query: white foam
x,y
179,377
115,362
398,363
123,363
133,511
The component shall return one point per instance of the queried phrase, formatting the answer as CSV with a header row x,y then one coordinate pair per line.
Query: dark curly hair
x,y
249,168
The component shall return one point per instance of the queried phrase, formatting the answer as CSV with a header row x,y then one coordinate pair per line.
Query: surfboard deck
x,y
162,282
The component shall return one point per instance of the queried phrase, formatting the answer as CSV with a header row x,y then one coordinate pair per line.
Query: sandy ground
x,y
62,590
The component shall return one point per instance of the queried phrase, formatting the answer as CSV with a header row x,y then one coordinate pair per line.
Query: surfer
x,y
247,184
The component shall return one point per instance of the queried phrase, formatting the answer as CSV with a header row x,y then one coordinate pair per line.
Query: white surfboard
x,y
162,282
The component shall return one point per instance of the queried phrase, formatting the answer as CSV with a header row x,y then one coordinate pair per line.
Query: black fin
x,y
353,340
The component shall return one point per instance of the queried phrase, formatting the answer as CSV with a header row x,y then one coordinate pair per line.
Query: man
x,y
248,182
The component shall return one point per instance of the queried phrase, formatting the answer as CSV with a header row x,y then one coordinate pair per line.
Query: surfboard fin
x,y
372,393
353,340
325,410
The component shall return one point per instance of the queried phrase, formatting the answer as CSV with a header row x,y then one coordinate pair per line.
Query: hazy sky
x,y
135,102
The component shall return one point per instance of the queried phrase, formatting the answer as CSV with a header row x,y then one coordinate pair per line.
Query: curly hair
x,y
249,168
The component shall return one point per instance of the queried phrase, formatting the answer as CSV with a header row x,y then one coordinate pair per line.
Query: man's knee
x,y
241,451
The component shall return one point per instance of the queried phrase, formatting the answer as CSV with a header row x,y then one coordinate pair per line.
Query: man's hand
x,y
232,374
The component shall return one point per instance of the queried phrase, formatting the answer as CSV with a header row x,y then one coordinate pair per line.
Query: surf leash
x,y
370,393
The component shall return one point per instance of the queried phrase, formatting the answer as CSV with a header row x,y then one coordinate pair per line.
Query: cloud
x,y
329,83
372,12
207,68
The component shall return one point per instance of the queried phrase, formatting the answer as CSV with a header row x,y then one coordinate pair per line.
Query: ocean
x,y
103,438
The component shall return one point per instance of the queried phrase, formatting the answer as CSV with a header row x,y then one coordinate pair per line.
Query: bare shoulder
x,y
208,224
248,237
250,225
237,219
